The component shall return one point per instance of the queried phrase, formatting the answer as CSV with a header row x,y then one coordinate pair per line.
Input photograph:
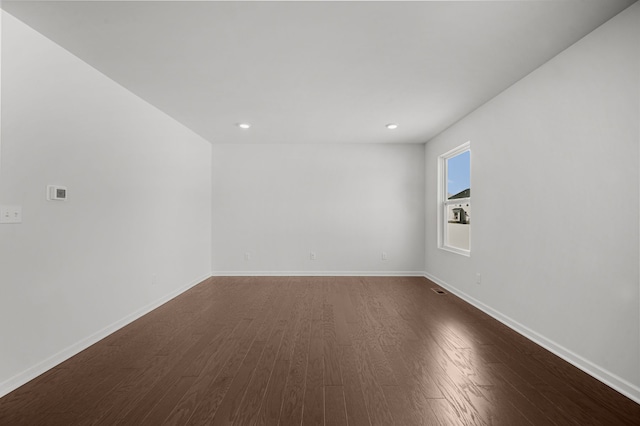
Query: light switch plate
x,y
10,214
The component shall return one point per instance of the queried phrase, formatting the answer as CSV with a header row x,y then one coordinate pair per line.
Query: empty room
x,y
334,213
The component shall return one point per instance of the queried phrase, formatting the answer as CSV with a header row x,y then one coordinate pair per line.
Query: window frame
x,y
444,202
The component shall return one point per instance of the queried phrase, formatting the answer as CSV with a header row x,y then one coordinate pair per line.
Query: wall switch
x,y
154,279
10,214
478,278
384,255
312,255
247,256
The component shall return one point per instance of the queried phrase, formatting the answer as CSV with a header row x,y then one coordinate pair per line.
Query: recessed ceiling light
x,y
244,125
391,126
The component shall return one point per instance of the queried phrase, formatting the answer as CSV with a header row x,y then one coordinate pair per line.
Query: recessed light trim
x,y
391,126
243,125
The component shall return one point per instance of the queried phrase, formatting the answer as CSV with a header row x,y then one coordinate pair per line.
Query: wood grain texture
x,y
331,351
313,409
335,412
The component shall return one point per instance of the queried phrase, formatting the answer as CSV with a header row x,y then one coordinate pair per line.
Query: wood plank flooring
x,y
329,351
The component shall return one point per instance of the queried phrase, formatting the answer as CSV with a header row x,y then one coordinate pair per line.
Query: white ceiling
x,y
316,72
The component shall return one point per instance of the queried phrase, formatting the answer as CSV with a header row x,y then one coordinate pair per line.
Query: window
x,y
454,200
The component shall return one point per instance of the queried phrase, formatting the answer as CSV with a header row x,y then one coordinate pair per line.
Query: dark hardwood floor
x,y
316,351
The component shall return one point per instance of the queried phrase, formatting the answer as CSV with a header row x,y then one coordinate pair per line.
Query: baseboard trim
x,y
615,382
317,274
31,373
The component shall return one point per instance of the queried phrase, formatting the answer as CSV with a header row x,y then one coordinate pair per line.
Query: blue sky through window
x,y
459,173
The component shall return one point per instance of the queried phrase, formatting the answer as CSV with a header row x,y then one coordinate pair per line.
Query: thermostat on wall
x,y
55,192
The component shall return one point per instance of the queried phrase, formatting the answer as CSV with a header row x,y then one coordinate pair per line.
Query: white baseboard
x,y
31,373
619,384
317,273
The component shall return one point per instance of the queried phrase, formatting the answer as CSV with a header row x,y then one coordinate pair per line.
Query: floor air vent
x,y
438,291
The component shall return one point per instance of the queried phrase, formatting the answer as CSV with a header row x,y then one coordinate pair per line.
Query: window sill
x,y
466,253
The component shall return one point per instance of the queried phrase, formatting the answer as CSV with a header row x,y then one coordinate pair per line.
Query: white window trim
x,y
443,202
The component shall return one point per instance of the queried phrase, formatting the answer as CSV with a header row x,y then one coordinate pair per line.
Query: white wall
x,y
139,205
554,159
347,203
